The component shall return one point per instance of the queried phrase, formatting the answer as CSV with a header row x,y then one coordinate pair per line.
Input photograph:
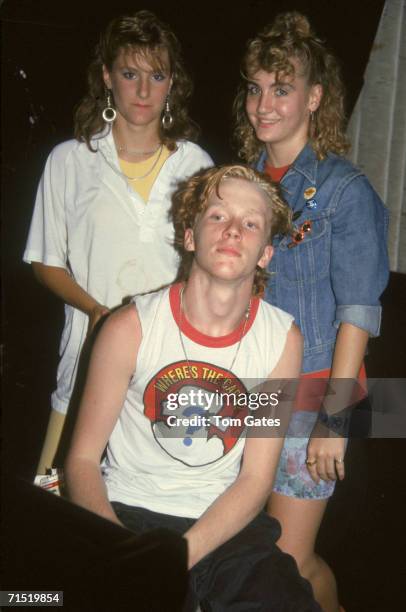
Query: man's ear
x,y
189,241
106,77
266,256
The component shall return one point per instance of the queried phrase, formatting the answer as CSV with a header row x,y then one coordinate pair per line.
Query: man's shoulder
x,y
153,305
151,297
275,314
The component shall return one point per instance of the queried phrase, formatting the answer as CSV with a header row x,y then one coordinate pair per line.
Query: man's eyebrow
x,y
254,211
223,203
220,201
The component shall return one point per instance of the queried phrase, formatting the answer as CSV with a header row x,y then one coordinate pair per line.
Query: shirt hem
x,y
157,507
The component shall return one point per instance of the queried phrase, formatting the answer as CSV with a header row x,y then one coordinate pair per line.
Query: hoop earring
x,y
167,118
109,114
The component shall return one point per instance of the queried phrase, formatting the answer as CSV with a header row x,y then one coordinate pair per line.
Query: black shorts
x,y
246,573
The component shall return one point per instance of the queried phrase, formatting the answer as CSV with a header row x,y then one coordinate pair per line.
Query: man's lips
x,y
229,251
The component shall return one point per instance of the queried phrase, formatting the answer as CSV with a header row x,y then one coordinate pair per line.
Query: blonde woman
x,y
329,273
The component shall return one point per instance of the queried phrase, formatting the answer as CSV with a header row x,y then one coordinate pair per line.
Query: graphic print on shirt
x,y
197,411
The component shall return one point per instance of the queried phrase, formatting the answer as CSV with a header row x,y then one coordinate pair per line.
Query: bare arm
x,y
349,353
111,367
353,287
242,501
60,282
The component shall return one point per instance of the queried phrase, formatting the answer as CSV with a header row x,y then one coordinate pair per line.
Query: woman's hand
x,y
95,315
60,282
325,456
325,450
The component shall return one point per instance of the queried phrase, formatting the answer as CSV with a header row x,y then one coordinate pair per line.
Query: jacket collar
x,y
306,163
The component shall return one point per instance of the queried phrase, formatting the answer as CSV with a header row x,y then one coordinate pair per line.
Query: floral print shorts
x,y
292,476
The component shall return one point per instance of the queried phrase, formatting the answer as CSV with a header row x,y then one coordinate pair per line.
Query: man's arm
x,y
111,367
242,501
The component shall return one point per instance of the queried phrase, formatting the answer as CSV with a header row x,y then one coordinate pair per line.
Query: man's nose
x,y
233,229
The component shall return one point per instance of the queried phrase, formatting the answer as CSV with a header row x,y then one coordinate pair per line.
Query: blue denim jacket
x,y
339,270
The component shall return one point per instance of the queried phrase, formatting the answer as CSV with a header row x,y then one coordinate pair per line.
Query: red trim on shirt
x,y
211,341
276,174
309,397
326,374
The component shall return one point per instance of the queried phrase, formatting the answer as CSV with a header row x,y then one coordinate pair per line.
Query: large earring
x,y
167,118
109,113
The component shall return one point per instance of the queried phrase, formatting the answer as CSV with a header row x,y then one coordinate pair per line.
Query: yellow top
x,y
143,186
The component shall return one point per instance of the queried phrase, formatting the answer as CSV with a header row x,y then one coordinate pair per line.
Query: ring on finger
x,y
311,461
339,460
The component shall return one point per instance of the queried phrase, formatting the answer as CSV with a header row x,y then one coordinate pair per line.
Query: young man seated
x,y
168,393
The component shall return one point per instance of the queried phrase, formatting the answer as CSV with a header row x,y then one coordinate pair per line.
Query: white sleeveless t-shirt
x,y
178,442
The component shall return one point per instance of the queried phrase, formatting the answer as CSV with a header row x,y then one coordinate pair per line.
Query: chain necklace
x,y
246,317
123,149
137,178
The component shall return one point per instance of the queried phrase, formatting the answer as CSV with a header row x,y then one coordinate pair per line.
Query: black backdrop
x,y
45,51
46,48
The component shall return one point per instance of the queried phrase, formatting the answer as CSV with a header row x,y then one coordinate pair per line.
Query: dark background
x,y
46,48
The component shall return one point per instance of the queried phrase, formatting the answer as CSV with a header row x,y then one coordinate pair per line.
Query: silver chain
x,y
123,149
246,317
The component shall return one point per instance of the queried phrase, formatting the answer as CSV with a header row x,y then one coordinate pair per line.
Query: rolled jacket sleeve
x,y
359,258
365,317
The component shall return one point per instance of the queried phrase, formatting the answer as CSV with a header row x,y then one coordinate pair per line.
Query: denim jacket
x,y
339,270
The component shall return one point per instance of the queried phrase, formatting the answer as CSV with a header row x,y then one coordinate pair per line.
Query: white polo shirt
x,y
89,221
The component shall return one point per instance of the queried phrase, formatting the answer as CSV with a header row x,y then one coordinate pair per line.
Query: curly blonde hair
x,y
191,198
142,33
291,37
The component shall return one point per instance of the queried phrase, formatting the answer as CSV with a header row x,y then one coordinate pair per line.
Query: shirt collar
x,y
305,163
104,142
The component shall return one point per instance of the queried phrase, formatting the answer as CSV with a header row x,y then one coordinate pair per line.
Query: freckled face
x,y
138,88
230,236
279,110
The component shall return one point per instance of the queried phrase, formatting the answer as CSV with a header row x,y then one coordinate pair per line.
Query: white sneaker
x,y
52,481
